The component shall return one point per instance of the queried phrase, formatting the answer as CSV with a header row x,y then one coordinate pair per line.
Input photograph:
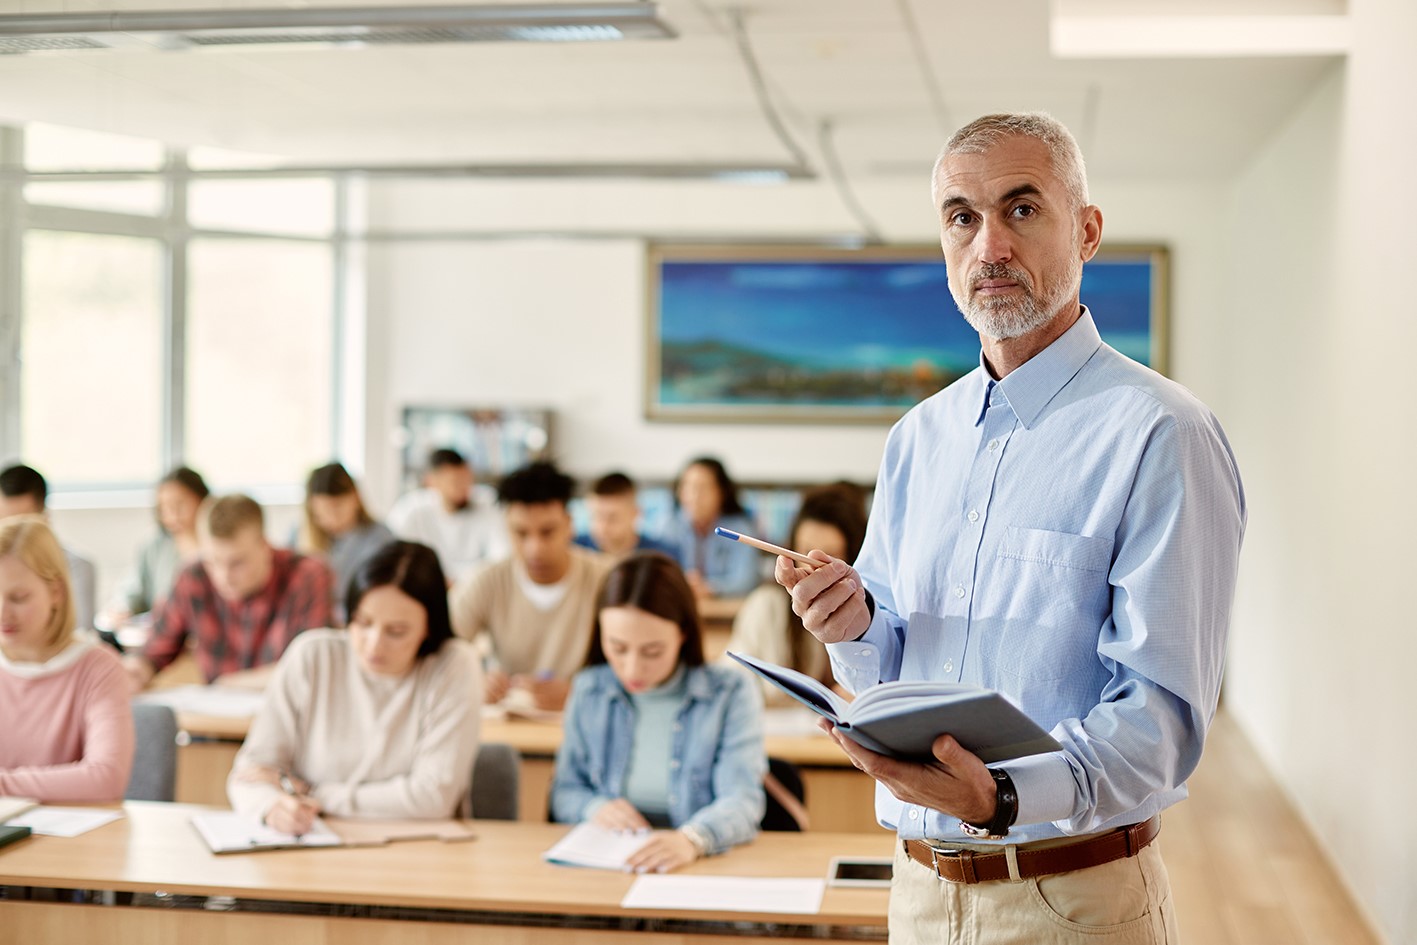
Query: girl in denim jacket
x,y
655,739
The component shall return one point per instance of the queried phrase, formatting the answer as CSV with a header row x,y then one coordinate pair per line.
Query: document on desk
x,y
726,894
64,821
231,832
217,701
12,806
593,846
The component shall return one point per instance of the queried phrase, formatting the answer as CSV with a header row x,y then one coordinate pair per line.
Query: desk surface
x,y
541,739
155,848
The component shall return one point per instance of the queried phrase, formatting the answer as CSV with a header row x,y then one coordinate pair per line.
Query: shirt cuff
x,y
1046,790
857,664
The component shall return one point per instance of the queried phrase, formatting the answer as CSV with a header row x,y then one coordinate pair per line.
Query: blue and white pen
x,y
767,546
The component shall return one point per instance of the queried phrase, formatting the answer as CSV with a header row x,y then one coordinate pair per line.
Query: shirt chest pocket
x,y
1045,604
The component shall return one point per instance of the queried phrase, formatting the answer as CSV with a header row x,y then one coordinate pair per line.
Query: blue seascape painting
x,y
839,337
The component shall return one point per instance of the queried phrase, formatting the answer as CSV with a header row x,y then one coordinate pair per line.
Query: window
x,y
92,384
259,340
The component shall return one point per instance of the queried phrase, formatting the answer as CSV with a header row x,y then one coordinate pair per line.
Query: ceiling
x,y
890,77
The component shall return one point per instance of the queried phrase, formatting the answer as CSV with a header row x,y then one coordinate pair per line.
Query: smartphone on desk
x,y
859,871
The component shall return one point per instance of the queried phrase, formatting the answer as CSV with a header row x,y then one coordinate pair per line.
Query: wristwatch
x,y
1005,810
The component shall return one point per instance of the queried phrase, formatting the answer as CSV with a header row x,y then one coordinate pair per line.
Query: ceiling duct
x,y
348,26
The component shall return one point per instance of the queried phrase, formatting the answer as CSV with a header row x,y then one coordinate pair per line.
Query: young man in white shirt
x,y
449,516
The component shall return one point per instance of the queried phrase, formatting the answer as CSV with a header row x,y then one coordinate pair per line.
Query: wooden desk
x,y
422,891
839,798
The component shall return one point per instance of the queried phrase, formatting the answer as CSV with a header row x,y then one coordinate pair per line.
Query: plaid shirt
x,y
234,635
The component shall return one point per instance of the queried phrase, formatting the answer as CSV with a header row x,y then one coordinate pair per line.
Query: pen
x,y
767,546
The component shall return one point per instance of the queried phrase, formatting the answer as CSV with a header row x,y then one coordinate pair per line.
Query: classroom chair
x,y
786,797
496,782
154,776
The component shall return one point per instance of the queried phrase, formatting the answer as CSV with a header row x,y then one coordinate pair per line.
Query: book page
x,y
799,686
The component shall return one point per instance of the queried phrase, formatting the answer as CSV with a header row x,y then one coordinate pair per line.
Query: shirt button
x,y
914,814
949,666
973,515
993,445
864,653
959,590
674,764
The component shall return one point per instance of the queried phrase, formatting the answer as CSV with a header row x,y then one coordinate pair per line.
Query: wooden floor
x,y
1244,869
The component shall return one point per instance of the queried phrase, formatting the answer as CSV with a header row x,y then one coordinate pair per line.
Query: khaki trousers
x,y
1125,902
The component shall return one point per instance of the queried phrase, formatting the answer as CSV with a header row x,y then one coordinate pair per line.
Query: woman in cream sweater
x,y
380,720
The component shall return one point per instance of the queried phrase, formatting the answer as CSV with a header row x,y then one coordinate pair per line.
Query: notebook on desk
x,y
15,806
232,832
11,834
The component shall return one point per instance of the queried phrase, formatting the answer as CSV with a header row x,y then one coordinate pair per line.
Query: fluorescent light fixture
x,y
351,26
1145,36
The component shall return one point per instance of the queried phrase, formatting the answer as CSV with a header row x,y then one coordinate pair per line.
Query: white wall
x,y
1321,399
560,322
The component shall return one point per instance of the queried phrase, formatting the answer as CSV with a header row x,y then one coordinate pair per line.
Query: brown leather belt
x,y
966,866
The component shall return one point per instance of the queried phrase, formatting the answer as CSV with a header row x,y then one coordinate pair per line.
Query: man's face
x,y
238,566
541,539
453,483
1014,244
614,522
19,505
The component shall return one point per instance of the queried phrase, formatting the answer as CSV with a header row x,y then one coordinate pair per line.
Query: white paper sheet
x,y
590,845
219,701
64,821
726,894
12,806
230,832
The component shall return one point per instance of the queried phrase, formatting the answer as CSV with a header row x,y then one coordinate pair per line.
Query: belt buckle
x,y
935,854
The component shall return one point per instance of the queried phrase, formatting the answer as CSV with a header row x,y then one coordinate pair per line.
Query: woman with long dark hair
x,y
379,720
654,738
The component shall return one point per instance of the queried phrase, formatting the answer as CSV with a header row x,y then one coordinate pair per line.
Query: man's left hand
x,y
956,783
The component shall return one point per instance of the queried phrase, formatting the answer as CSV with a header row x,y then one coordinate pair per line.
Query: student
x,y
831,519
655,738
450,517
338,528
179,495
63,696
380,720
534,609
23,491
615,519
705,498
243,601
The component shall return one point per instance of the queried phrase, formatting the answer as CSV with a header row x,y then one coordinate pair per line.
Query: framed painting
x,y
791,334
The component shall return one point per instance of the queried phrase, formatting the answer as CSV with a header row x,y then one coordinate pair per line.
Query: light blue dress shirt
x,y
1068,536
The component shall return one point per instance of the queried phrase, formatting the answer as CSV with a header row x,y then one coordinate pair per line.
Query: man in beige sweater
x,y
533,610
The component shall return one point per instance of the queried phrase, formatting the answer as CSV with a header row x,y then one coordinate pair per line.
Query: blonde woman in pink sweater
x,y
68,726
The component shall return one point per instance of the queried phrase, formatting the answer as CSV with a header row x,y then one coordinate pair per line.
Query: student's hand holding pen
x,y
295,811
546,691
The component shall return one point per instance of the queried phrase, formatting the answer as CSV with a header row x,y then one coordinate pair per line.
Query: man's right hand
x,y
830,600
140,672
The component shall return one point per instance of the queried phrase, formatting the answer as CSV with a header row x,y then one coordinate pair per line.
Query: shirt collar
x,y
1028,388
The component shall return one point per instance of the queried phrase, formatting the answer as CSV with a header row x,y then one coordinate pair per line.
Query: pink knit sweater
x,y
66,726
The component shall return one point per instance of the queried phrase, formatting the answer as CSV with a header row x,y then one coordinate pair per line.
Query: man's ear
x,y
1090,223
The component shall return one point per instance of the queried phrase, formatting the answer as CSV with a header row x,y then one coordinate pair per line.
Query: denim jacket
x,y
717,763
730,568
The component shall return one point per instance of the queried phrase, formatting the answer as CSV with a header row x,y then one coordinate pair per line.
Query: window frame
x,y
173,231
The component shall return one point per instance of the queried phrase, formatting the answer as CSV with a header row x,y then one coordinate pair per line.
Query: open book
x,y
232,832
903,719
591,845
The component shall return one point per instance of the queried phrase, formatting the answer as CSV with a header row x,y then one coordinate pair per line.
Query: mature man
x,y
242,601
615,519
1062,525
450,516
23,491
534,609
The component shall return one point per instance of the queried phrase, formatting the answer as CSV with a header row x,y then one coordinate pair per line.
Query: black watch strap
x,y
1005,806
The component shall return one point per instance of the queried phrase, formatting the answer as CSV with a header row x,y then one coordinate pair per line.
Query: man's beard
x,y
1002,317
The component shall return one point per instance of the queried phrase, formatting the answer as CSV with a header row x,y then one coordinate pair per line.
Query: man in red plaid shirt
x,y
241,603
